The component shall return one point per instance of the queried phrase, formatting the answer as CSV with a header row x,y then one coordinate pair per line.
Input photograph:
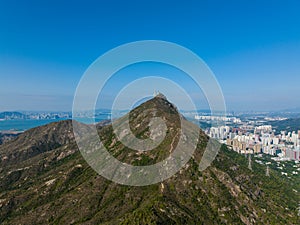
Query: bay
x,y
22,125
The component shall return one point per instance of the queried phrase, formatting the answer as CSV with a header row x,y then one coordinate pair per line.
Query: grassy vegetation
x,y
43,188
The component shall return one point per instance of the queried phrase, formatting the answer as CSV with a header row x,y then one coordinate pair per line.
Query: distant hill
x,y
45,180
294,110
288,125
202,124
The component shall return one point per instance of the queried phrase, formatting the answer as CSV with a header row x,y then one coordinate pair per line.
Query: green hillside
x,y
45,180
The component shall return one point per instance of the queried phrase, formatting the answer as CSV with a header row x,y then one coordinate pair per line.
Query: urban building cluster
x,y
218,118
262,139
34,115
48,115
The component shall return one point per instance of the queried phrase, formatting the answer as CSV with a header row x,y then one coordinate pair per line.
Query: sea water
x,y
22,125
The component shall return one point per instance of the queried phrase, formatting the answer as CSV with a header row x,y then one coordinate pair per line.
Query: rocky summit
x,y
45,180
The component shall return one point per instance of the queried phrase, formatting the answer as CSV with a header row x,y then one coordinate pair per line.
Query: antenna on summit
x,y
156,93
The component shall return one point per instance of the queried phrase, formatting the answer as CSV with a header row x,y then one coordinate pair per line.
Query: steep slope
x,y
4,137
35,141
45,180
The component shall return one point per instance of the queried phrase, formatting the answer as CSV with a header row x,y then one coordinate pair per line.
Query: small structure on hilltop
x,y
157,94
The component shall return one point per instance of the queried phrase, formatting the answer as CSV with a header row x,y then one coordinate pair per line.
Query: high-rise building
x,y
275,141
235,143
242,147
295,138
293,154
231,135
257,148
229,142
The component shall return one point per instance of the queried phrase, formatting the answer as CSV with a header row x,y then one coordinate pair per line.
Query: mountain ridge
x,y
44,179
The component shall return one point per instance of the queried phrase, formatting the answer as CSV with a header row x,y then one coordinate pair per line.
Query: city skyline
x,y
252,48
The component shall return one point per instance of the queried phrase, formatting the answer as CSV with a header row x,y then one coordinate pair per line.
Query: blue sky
x,y
253,47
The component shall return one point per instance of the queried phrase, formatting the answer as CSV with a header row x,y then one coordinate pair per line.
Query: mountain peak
x,y
157,94
140,121
158,103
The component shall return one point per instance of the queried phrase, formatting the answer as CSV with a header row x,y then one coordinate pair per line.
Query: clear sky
x,y
253,47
